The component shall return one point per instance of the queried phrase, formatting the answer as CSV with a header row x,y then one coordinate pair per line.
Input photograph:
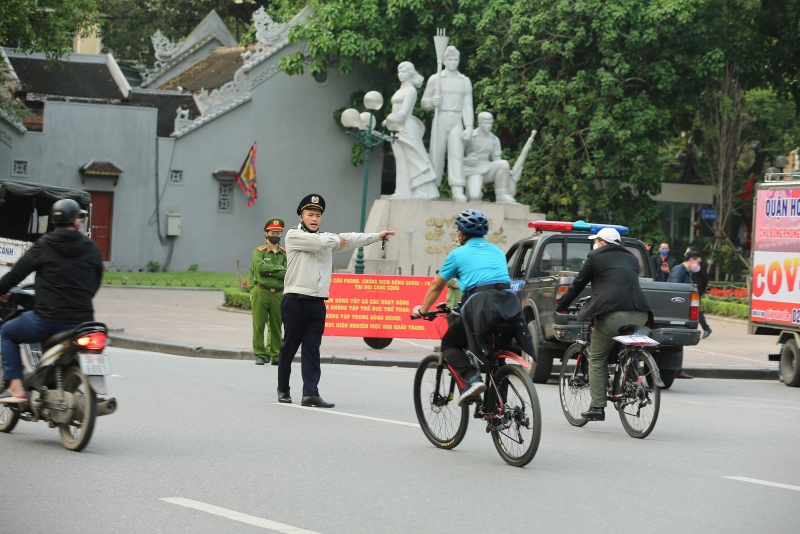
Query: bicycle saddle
x,y
628,329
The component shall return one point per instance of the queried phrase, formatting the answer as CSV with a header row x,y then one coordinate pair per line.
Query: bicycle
x,y
509,405
633,382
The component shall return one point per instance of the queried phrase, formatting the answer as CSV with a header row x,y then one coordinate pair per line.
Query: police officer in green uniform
x,y
267,271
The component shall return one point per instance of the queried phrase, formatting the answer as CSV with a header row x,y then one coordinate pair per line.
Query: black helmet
x,y
65,211
472,222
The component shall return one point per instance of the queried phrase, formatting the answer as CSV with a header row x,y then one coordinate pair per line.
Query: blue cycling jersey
x,y
475,263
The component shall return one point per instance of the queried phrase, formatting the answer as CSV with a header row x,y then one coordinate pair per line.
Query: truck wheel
x,y
378,342
540,372
668,377
790,364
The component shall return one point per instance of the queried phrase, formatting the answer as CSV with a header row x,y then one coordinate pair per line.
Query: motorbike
x,y
63,377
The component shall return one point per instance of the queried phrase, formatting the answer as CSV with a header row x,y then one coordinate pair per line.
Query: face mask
x,y
274,239
595,246
664,251
695,267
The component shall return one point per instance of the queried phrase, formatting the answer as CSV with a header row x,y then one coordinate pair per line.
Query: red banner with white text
x,y
379,306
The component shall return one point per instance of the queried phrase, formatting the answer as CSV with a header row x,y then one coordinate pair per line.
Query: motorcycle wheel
x,y
8,417
76,435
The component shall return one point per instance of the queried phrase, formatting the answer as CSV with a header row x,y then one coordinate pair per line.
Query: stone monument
x,y
450,94
426,232
415,177
484,165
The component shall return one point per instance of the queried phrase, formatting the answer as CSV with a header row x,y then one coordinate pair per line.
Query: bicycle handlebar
x,y
441,309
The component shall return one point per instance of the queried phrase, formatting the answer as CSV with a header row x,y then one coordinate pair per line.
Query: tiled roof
x,y
167,105
211,73
66,78
104,168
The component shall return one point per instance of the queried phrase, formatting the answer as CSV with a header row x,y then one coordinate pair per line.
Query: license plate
x,y
95,364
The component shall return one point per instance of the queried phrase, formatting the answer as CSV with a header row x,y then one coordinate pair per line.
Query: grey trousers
x,y
606,328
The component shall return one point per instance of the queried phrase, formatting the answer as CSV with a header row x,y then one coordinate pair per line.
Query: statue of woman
x,y
415,177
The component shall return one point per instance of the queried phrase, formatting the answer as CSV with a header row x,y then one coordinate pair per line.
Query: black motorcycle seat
x,y
55,339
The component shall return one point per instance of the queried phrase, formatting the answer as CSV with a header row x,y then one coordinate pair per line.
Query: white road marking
x,y
415,344
766,407
765,483
345,414
238,516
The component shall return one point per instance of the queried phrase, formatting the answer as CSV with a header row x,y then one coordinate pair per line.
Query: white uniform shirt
x,y
309,259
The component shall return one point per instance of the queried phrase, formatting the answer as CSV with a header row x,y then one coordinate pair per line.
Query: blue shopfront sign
x,y
708,214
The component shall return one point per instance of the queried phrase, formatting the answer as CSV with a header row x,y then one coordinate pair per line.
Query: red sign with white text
x,y
379,306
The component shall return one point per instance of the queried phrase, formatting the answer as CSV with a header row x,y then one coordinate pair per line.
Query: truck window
x,y
638,253
511,257
576,254
522,266
552,257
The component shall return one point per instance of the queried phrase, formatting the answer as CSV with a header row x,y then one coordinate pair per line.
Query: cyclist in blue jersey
x,y
479,266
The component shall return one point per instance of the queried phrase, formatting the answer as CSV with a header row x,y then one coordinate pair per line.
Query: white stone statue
x,y
455,119
415,177
484,164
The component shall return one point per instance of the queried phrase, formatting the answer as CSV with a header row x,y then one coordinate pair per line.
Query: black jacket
x,y
679,275
658,275
614,273
69,270
484,311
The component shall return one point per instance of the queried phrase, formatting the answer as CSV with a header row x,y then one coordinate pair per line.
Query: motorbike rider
x,y
479,267
617,301
69,271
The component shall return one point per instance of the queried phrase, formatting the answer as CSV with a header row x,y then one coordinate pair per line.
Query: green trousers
x,y
606,328
266,312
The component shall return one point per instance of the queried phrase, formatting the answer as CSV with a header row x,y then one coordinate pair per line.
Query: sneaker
x,y
474,387
259,361
8,398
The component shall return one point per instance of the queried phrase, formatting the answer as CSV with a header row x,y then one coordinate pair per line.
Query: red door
x,y
102,211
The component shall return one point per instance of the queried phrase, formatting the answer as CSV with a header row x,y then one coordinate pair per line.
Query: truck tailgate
x,y
671,303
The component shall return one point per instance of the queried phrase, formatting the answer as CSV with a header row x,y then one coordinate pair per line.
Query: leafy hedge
x,y
237,299
713,306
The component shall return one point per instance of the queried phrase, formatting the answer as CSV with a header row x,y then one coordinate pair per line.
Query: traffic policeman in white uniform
x,y
308,279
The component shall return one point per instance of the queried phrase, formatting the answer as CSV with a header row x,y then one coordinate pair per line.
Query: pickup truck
x,y
545,264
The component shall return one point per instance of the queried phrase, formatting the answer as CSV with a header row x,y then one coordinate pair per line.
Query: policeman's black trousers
x,y
303,324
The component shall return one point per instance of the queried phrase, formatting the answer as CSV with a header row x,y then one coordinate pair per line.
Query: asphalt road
x,y
209,432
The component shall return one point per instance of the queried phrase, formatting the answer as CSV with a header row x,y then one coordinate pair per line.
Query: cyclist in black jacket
x,y
69,270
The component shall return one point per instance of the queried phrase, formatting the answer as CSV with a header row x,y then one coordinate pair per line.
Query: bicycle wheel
x,y
443,421
573,385
640,396
517,439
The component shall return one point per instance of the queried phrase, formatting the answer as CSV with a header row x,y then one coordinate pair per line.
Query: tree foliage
x,y
45,26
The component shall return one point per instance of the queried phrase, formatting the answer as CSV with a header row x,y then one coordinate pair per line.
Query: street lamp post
x,y
360,127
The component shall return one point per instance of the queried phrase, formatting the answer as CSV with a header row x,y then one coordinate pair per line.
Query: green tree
x,y
45,27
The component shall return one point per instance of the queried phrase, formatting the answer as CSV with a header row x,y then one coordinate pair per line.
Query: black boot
x,y
595,414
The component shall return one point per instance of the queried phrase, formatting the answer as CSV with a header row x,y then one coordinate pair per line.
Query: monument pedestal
x,y
426,233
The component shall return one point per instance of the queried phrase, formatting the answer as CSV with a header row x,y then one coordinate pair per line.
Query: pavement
x,y
194,319
207,435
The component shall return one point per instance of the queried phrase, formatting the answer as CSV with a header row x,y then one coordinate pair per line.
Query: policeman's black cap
x,y
312,201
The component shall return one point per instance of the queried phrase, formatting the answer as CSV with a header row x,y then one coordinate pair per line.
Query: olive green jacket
x,y
267,268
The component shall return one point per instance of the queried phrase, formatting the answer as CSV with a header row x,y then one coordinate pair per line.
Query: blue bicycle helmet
x,y
472,222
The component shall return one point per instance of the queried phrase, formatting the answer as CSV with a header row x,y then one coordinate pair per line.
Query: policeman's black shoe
x,y
283,396
259,361
316,402
595,414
